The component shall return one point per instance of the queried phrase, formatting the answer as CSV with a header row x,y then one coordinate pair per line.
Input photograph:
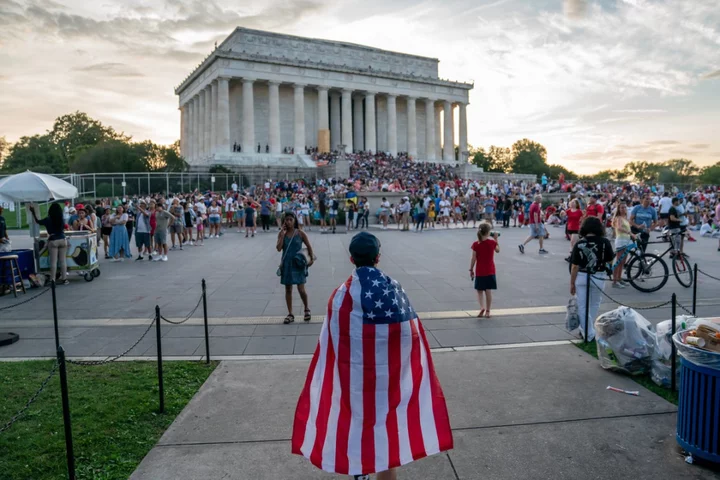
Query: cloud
x,y
641,110
708,76
575,9
664,142
700,146
112,69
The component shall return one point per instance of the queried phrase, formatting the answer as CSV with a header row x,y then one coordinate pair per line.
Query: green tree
x,y
497,159
529,157
37,153
555,170
710,175
684,169
76,132
112,155
643,171
4,150
609,175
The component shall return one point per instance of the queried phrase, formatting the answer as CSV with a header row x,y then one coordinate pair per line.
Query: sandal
x,y
308,316
487,314
289,319
482,312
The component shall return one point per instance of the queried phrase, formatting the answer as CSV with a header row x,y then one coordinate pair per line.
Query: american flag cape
x,y
371,400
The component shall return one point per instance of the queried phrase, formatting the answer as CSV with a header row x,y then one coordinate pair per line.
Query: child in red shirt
x,y
482,267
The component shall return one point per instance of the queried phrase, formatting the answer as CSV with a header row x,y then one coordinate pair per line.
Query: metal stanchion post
x,y
673,354
55,319
158,331
66,413
695,275
587,306
207,337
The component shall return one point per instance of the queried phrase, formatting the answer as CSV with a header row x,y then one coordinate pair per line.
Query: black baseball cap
x,y
364,245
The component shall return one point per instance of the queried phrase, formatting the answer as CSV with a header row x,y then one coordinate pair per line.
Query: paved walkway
x,y
530,413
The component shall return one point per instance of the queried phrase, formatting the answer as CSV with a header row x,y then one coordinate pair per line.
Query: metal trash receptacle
x,y
698,419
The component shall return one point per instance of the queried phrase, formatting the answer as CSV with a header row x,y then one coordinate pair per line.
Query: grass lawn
x,y
114,416
643,380
11,217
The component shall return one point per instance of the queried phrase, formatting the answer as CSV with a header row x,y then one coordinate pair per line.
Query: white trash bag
x,y
625,341
661,369
572,318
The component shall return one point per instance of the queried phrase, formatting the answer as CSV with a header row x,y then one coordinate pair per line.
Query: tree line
x,y
527,156
78,143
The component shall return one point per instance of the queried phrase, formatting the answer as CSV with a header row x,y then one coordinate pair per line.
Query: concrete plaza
x,y
246,301
530,413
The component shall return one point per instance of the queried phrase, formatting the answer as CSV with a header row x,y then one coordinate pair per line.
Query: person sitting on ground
x,y
370,312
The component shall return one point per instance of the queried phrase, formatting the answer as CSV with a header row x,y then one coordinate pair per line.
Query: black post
x,y
55,319
587,306
673,354
161,389
695,272
207,337
66,413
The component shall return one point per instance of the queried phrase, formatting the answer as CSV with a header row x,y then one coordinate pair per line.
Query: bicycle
x,y
640,269
636,252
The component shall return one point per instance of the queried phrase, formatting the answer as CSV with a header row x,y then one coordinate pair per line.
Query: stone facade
x,y
280,91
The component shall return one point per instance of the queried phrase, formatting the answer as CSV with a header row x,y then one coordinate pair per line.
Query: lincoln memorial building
x,y
262,99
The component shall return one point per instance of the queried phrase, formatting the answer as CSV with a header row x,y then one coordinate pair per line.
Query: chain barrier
x,y
189,315
652,307
94,363
687,310
27,300
708,275
32,399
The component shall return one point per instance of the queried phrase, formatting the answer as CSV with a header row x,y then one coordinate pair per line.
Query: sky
x,y
597,82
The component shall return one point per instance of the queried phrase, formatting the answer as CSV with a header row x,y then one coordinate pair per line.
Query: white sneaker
x,y
157,258
164,258
154,253
192,243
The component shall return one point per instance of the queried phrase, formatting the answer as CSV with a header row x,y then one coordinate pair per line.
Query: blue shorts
x,y
214,220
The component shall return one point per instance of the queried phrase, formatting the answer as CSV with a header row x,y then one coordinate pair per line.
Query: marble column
x,y
299,118
274,117
223,115
183,129
323,113
438,132
347,133
201,125
208,119
392,125
430,129
462,135
334,121
214,116
193,148
448,150
370,135
358,131
248,136
412,126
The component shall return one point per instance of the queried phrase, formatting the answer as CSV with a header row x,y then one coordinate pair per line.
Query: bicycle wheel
x,y
682,270
647,272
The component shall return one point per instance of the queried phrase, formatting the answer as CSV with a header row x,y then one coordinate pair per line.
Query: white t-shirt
x,y
665,204
214,212
201,207
229,207
234,187
444,207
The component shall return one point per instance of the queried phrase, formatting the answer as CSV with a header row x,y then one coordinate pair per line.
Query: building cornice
x,y
230,55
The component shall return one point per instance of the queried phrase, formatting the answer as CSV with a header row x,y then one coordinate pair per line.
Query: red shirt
x,y
535,213
573,219
549,211
595,210
484,257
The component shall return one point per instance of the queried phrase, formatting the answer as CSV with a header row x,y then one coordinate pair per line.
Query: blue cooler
x,y
698,417
26,263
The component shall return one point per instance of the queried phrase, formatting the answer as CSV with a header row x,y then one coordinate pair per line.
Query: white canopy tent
x,y
36,187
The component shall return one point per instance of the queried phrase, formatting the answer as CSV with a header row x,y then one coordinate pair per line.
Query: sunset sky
x,y
599,83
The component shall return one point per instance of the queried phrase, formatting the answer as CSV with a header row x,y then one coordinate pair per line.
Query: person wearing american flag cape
x,y
371,400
